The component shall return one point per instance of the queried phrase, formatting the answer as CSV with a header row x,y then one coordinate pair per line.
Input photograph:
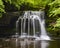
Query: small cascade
x,y
28,25
43,35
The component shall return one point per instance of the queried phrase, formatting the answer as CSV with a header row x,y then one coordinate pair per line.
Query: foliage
x,y
40,4
1,8
37,3
52,7
54,14
57,23
32,3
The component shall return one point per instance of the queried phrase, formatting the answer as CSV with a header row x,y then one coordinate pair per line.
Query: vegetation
x,y
34,4
1,8
54,16
51,7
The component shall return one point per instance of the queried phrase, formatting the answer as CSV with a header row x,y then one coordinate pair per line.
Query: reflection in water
x,y
16,42
23,43
34,44
27,43
41,44
44,44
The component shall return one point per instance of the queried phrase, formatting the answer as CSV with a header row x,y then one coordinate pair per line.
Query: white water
x,y
43,35
33,15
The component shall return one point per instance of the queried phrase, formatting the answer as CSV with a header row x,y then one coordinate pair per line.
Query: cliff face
x,y
8,17
7,22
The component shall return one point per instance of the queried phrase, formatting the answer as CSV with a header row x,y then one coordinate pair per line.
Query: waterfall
x,y
31,16
43,35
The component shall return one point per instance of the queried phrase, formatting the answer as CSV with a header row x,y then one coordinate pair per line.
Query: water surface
x,y
30,43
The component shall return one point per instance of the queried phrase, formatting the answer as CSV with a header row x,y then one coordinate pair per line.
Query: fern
x,y
54,8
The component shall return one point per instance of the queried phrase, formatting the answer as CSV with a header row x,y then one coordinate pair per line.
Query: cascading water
x,y
27,22
43,35
30,30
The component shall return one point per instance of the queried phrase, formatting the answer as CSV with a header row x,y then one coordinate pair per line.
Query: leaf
x,y
10,1
57,23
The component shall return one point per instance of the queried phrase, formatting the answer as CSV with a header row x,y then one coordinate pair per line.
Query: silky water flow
x,y
32,29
